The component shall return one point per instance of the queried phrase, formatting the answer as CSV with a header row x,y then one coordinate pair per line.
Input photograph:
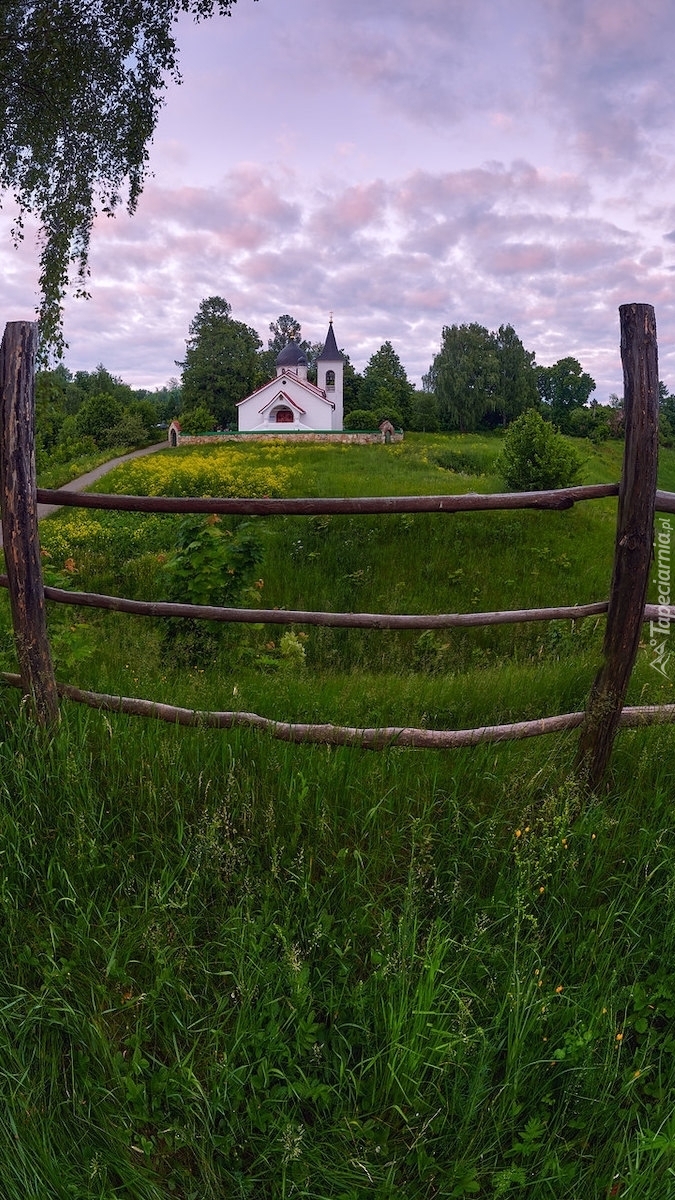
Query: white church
x,y
289,402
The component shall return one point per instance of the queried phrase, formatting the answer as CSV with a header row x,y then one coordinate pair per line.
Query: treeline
x,y
478,380
77,414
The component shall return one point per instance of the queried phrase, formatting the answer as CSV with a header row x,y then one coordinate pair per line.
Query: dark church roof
x,y
291,356
330,352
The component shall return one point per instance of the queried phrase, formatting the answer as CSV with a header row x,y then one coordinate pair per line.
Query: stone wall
x,y
360,439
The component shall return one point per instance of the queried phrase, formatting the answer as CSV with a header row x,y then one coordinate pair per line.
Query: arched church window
x,y
284,416
330,381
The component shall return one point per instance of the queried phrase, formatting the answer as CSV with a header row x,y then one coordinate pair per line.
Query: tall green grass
x,y
233,967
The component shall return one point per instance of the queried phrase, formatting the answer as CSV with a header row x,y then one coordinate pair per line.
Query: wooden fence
x,y
626,608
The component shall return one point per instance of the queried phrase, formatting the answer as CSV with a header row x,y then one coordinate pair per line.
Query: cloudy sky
x,y
407,164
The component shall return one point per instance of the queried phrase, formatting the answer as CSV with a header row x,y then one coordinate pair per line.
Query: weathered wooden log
x,y
634,540
665,502
327,735
338,620
344,735
559,498
18,502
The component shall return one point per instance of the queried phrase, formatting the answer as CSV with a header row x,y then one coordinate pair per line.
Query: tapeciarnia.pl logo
x,y
659,631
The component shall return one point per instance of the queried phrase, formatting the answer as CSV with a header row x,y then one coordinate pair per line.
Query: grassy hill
x,y
234,967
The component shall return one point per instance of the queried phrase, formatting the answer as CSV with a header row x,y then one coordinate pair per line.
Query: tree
x,y
385,384
81,87
284,330
517,387
352,386
362,418
221,361
97,416
197,420
424,413
564,387
464,376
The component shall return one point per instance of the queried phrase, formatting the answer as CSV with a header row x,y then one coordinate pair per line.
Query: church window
x,y
330,381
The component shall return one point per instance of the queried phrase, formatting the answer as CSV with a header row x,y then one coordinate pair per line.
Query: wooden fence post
x,y
634,540
18,502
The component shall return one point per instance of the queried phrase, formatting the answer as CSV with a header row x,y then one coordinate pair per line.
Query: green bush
x,y
361,418
212,566
197,420
389,414
536,457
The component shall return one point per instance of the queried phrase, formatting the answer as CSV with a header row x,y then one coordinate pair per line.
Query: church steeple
x,y
330,352
330,374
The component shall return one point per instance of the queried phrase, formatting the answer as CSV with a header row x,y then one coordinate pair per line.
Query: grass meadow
x,y
232,967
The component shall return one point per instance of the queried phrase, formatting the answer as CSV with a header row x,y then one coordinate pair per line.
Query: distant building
x,y
289,402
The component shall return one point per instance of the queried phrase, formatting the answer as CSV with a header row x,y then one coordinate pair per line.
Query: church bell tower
x,y
330,376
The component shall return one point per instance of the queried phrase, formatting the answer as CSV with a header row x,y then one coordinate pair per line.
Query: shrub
x,y
212,566
389,414
129,431
536,457
197,420
361,418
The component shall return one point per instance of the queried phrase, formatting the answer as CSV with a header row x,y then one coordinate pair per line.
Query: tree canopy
x,y
284,330
480,378
385,385
221,363
81,87
464,376
564,387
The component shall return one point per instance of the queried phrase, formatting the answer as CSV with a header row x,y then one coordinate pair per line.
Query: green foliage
x,y
385,386
130,430
197,420
76,416
666,416
481,378
425,415
536,457
221,362
352,386
596,422
517,386
81,87
464,376
284,330
210,566
563,388
361,418
97,416
465,460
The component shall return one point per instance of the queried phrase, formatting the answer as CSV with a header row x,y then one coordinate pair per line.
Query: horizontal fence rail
x,y
344,735
560,498
337,620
